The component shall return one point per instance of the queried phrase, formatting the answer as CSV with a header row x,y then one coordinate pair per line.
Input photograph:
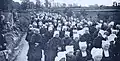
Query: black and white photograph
x,y
59,30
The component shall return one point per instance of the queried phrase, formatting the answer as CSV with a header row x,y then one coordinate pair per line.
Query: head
x,y
83,46
101,21
58,28
44,26
50,28
97,54
111,24
34,24
55,21
69,49
67,34
86,30
30,27
118,26
40,23
36,31
76,37
98,58
64,28
56,34
105,45
98,26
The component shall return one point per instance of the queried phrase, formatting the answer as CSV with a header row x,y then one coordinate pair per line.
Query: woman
x,y
97,54
83,54
107,53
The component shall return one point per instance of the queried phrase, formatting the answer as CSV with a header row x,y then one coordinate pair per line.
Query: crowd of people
x,y
65,38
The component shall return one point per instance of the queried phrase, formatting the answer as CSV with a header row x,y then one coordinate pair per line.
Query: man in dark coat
x,y
75,42
97,42
67,40
29,34
35,47
53,45
49,33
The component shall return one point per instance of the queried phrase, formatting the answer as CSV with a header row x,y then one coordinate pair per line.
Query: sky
x,y
80,2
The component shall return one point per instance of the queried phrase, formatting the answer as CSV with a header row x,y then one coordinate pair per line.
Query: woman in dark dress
x,y
35,46
83,54
107,53
53,45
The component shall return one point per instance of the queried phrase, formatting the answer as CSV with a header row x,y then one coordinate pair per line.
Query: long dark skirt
x,y
50,55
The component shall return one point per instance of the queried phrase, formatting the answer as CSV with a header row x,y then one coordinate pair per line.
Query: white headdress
x,y
44,26
50,23
64,27
75,35
89,23
73,23
111,23
55,33
34,23
86,28
117,25
59,28
82,44
75,31
67,33
105,43
69,49
102,32
101,21
98,26
97,52
113,30
66,23
81,32
111,37
30,27
50,28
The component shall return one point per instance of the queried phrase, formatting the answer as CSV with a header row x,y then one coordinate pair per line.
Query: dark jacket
x,y
49,34
75,45
52,48
28,37
62,34
35,51
54,43
66,41
86,37
110,58
70,58
97,42
80,58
